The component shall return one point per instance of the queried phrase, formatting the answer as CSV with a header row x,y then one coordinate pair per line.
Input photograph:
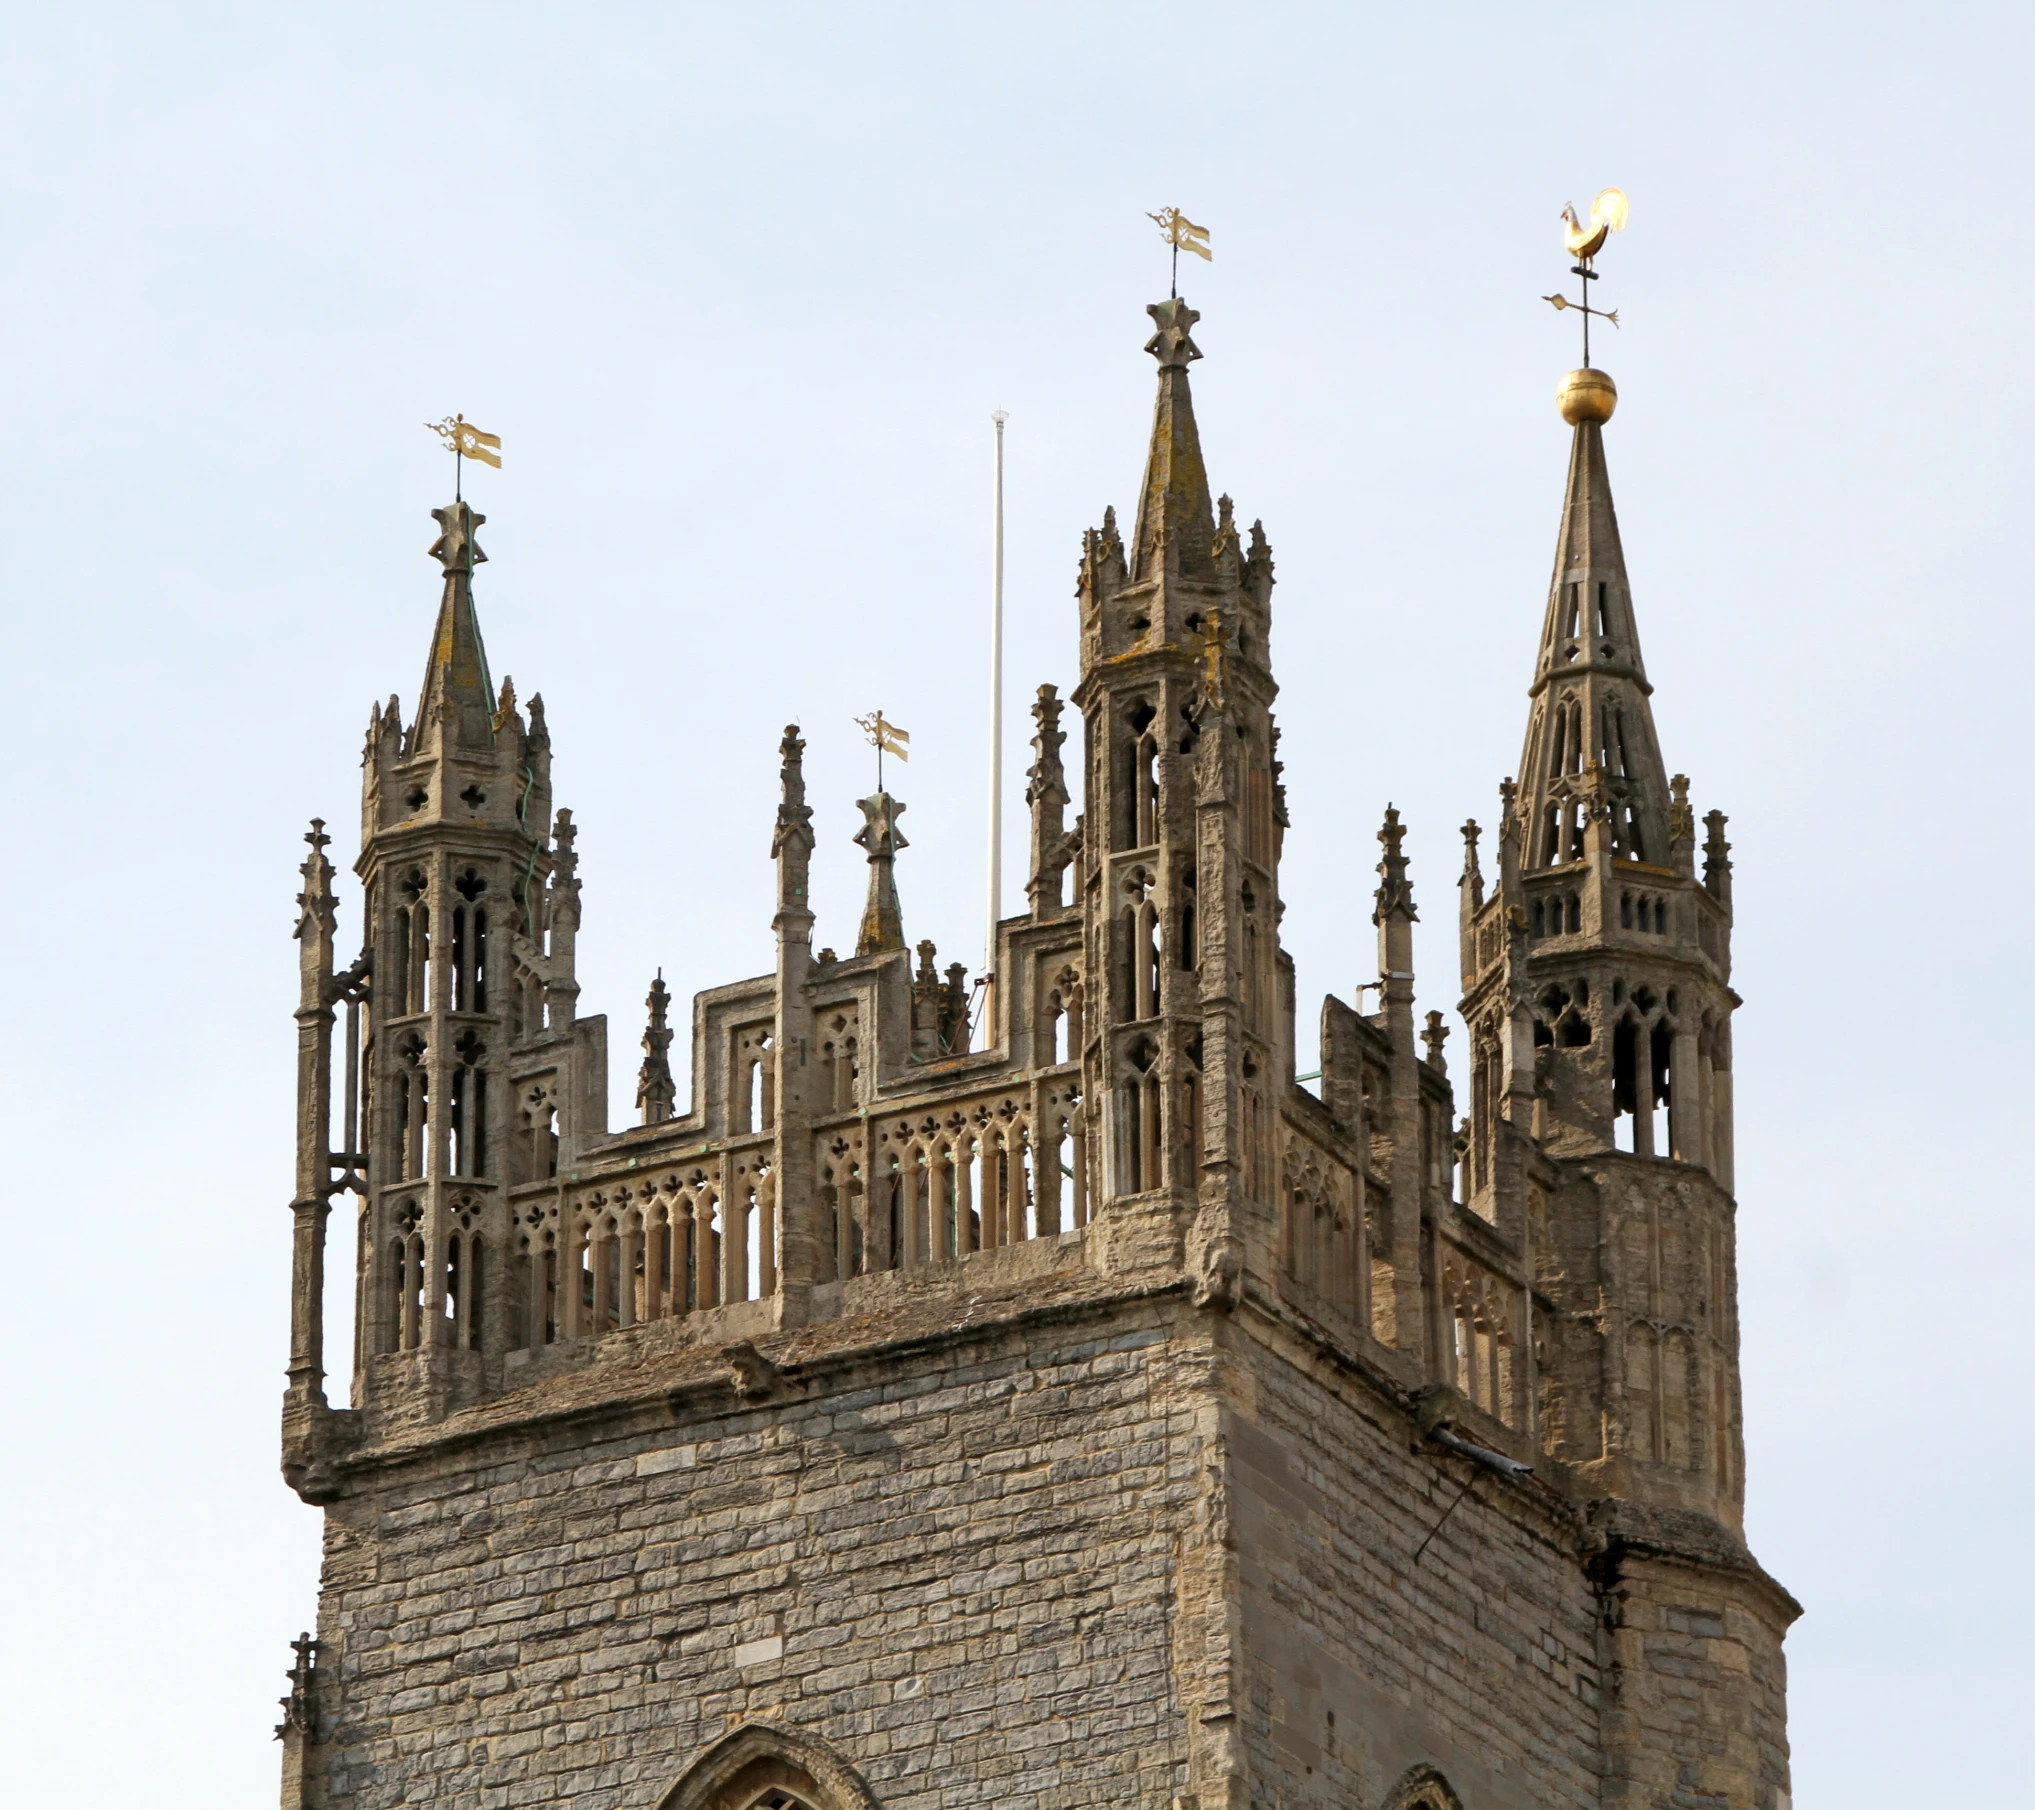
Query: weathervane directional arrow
x,y
1603,314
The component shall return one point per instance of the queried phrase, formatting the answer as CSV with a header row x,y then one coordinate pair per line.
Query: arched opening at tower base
x,y
758,1767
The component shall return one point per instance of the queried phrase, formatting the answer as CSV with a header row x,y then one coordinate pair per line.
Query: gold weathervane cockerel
x,y
1607,216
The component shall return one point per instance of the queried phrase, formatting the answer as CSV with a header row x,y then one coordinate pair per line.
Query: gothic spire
x,y
882,920
457,699
1591,754
1176,520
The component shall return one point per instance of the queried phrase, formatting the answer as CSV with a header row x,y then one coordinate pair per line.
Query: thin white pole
x,y
995,738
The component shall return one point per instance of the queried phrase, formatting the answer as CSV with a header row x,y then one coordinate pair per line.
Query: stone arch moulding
x,y
1423,1788
755,1762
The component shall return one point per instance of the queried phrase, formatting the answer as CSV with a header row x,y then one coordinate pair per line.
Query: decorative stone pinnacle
x,y
1171,345
794,816
455,548
1472,868
1395,891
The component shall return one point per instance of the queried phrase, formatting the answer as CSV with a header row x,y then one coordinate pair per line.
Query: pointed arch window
x,y
759,1767
1423,1788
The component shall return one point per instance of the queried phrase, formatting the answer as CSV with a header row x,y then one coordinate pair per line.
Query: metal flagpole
x,y
995,738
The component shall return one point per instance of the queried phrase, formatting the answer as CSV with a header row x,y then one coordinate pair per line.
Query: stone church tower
x,y
1072,1408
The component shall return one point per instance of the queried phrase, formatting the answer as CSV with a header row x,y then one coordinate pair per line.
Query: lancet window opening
x,y
840,1061
1614,741
465,1288
1190,1114
1257,1181
1056,1040
412,1107
1325,1242
1140,1118
1254,980
1556,914
1257,802
1137,812
1662,1387
468,1122
1562,832
404,1278
1644,1053
536,1134
1487,1090
753,1102
1482,1344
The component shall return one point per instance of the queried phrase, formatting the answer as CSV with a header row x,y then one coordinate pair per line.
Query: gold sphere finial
x,y
1586,395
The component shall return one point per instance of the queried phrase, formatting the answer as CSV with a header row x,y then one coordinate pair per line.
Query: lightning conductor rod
x,y
998,416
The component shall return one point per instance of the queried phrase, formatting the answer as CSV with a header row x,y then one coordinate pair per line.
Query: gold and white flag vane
x,y
467,441
885,736
1182,234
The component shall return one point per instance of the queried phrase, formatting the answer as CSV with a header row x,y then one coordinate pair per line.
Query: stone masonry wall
x,y
1481,1660
958,1568
1013,1568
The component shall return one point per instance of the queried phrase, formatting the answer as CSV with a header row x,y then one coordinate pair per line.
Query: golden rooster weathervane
x,y
1607,216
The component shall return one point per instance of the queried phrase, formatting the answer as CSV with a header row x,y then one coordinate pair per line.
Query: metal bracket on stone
x,y
1434,1415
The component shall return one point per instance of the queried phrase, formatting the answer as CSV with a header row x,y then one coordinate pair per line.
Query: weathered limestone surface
x,y
996,1569
1068,1405
958,1568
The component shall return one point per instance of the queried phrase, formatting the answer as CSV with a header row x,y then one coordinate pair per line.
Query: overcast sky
x,y
738,286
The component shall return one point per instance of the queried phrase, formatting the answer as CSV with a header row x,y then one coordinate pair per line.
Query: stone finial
x,y
1176,512
1224,547
882,920
1171,345
1258,563
319,903
1395,891
928,1042
1716,858
455,548
954,1010
457,698
1434,1037
1103,565
794,816
1681,825
1046,772
656,1092
300,1707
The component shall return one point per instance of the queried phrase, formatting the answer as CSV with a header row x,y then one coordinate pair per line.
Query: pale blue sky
x,y
738,286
